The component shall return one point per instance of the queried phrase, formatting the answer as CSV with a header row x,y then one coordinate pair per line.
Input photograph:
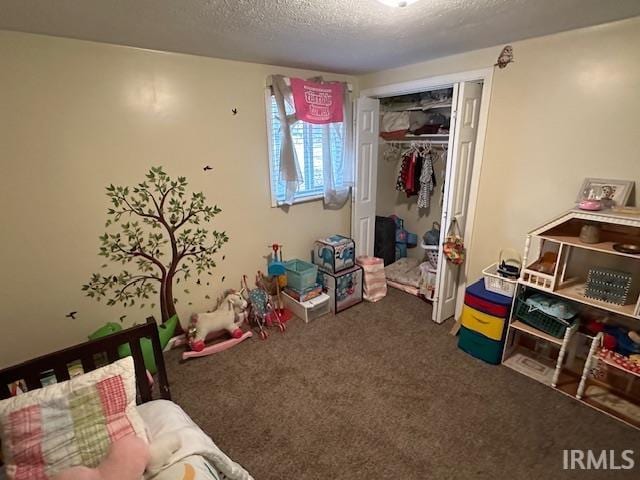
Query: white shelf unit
x,y
574,364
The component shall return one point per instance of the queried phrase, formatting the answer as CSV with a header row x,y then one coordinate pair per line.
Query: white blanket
x,y
163,417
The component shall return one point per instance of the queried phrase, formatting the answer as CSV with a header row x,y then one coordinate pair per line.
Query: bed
x,y
161,417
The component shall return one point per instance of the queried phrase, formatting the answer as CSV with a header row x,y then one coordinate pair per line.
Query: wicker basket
x,y
555,327
433,253
497,284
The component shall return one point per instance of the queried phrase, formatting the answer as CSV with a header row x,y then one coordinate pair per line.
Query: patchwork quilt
x,y
70,423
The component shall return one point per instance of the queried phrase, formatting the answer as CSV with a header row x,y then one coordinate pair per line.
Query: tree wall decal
x,y
162,236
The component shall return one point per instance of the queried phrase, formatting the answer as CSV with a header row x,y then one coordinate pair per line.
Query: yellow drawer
x,y
488,325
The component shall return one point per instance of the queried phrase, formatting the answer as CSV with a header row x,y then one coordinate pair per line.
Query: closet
x,y
415,161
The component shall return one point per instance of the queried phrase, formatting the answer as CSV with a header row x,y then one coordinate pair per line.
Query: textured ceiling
x,y
351,36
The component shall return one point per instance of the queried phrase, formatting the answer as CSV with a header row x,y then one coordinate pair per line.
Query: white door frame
x,y
431,83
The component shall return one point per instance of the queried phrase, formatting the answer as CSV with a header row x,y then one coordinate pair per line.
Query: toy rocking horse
x,y
226,318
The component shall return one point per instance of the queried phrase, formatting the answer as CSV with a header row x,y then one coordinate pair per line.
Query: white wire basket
x,y
497,284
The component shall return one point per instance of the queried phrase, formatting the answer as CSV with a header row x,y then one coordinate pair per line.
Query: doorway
x,y
463,143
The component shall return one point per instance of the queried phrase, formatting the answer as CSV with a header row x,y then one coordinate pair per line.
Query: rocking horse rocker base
x,y
216,347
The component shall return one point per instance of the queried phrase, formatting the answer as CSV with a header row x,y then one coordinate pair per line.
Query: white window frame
x,y
273,175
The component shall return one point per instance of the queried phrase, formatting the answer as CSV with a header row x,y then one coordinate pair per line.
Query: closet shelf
x,y
420,108
433,138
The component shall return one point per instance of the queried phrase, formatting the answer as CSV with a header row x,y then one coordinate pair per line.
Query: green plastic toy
x,y
165,332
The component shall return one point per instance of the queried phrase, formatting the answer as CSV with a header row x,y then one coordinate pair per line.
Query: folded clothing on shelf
x,y
552,306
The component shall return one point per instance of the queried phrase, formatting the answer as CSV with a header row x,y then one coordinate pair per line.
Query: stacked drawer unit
x,y
484,323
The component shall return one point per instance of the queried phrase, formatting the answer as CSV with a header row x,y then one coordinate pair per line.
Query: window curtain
x,y
290,174
337,164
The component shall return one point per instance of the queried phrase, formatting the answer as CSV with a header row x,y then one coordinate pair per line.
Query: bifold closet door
x,y
363,214
462,148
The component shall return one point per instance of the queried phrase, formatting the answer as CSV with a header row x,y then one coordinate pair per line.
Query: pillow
x,y
70,423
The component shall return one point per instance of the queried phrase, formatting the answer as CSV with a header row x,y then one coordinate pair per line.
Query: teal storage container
x,y
300,274
479,346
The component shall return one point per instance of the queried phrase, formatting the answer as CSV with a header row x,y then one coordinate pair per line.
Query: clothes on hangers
x,y
427,183
416,175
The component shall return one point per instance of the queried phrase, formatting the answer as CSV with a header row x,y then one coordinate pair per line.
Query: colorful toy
x,y
227,317
278,273
165,332
262,313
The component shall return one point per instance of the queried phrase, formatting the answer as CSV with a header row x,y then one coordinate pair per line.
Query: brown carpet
x,y
381,392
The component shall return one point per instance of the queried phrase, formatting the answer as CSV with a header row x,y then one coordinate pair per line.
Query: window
x,y
309,141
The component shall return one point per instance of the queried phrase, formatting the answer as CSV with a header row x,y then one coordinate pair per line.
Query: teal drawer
x,y
480,346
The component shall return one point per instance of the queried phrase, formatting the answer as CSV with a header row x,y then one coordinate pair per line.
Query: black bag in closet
x,y
384,245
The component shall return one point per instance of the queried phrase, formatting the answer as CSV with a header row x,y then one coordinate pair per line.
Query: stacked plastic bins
x,y
484,323
303,296
341,279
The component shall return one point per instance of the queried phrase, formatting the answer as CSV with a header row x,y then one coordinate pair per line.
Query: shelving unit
x,y
557,262
422,108
435,139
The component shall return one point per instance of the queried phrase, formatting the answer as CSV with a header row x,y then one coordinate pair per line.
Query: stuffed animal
x,y
223,318
126,460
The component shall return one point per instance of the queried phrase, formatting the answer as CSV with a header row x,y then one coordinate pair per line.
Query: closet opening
x,y
417,159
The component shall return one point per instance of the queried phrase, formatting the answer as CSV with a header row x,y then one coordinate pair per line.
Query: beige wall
x,y
77,116
565,110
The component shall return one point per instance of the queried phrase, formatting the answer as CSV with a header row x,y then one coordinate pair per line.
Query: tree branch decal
x,y
160,233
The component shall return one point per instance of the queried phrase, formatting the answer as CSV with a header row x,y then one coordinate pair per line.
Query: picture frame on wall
x,y
610,192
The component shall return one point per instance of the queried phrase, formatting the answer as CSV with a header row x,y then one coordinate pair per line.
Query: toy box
x,y
309,310
307,294
334,254
344,288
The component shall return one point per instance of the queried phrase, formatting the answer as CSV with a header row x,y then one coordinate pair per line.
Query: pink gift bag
x,y
375,281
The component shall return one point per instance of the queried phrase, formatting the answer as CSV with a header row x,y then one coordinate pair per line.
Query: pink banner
x,y
317,102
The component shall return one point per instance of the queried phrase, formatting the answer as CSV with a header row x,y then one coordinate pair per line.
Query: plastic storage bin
x,y
479,346
497,284
483,300
300,274
555,327
309,310
488,325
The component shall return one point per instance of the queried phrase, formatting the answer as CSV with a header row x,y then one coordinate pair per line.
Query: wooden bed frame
x,y
31,370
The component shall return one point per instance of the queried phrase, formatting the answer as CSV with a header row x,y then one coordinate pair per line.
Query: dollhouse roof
x,y
602,216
